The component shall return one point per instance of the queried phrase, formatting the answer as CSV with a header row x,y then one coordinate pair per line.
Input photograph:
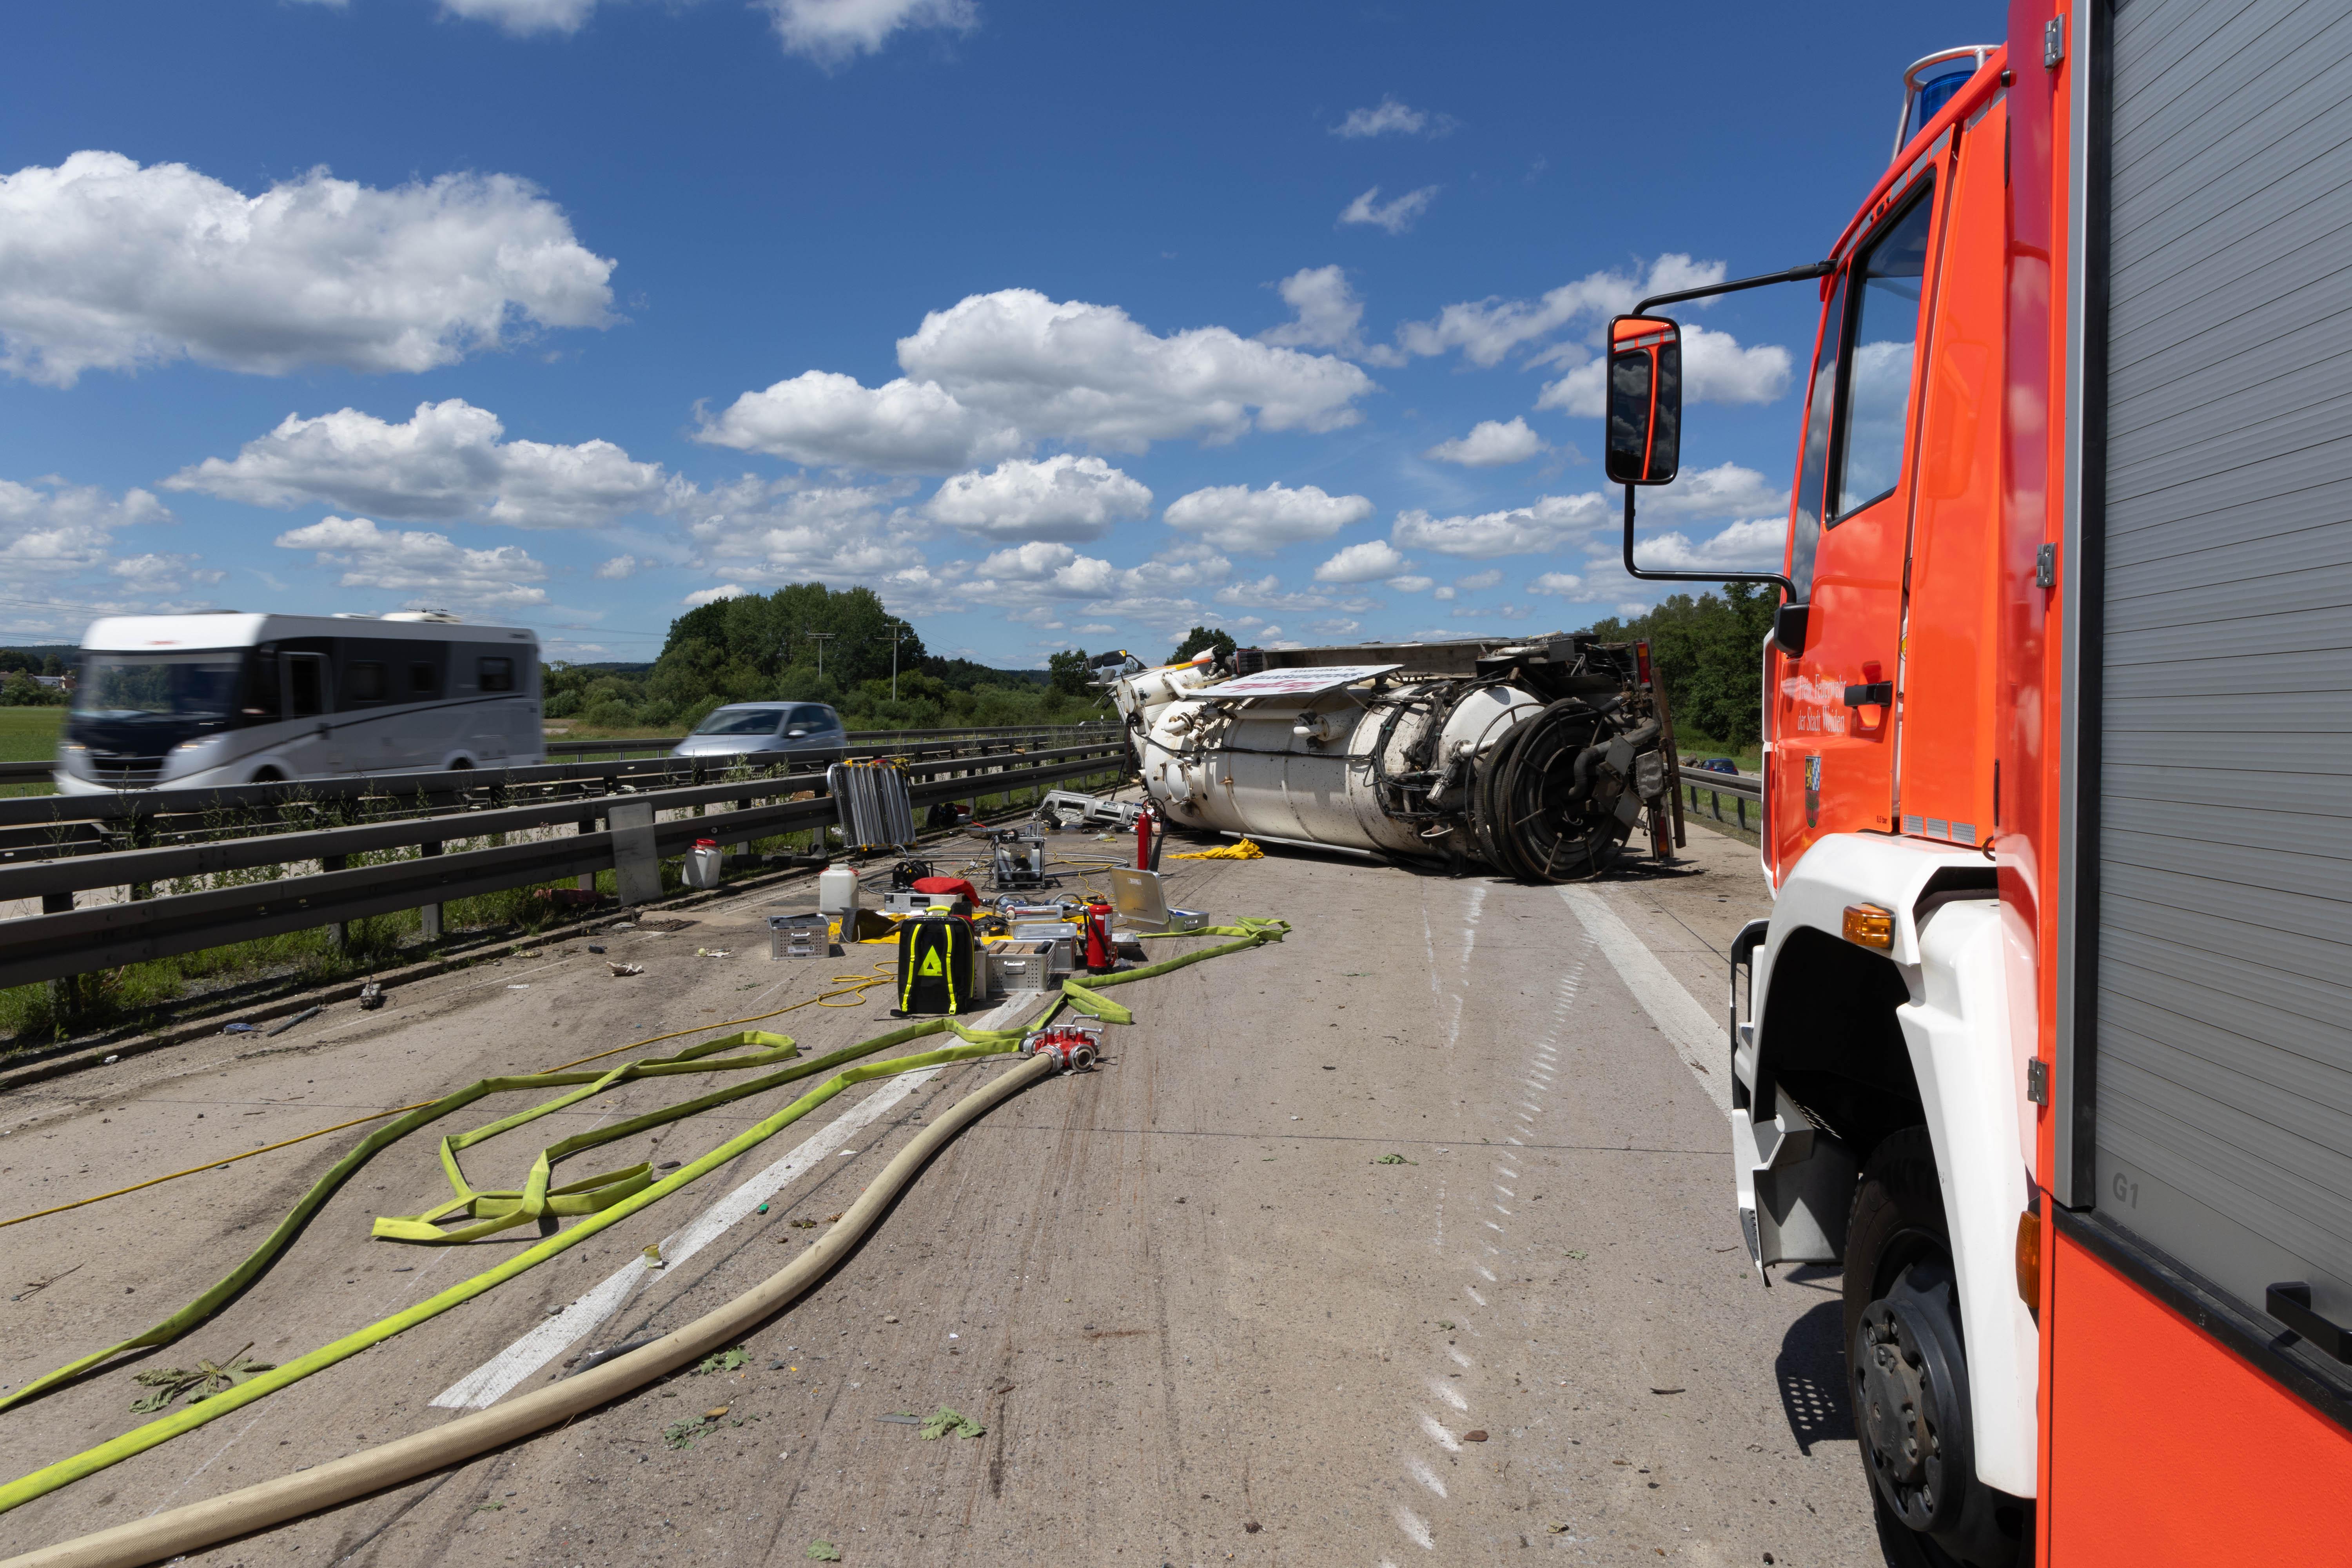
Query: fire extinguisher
x,y
1143,840
1102,953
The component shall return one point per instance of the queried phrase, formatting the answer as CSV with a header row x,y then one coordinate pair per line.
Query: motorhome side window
x,y
367,680
497,675
425,678
1875,415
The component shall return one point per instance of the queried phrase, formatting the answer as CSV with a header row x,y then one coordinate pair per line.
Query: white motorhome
x,y
225,698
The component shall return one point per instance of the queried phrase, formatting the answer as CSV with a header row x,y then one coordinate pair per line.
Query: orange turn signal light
x,y
2029,1259
1867,925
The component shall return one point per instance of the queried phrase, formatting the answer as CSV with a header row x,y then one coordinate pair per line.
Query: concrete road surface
x,y
1408,1239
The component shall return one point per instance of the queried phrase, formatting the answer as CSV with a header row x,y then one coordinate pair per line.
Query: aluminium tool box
x,y
799,936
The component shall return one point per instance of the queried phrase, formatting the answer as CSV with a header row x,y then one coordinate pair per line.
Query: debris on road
x,y
723,1361
37,1286
654,1258
714,952
206,1379
621,969
370,996
1240,850
305,1016
825,1552
1478,1436
238,1028
1394,1160
901,1418
943,1420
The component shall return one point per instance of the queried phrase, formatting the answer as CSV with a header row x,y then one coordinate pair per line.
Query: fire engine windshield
x,y
1878,382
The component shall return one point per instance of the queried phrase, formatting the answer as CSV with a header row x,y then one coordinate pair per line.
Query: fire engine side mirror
x,y
1644,438
1789,628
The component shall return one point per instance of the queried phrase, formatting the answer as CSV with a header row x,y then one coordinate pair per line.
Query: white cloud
x,y
157,574
1362,563
1327,315
1411,584
53,528
780,533
702,596
996,372
833,32
1396,216
1725,490
1752,545
1479,582
523,17
1060,497
1391,118
429,565
1259,522
1558,585
620,568
821,417
445,461
1490,445
1484,331
1716,369
1072,371
1548,524
105,265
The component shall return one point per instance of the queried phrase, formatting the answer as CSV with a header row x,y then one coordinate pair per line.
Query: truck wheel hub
x,y
1910,1399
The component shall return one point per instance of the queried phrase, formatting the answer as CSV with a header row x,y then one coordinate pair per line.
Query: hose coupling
x,y
1076,1047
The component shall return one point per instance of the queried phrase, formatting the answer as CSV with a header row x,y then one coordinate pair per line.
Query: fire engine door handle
x,y
2291,1305
1876,694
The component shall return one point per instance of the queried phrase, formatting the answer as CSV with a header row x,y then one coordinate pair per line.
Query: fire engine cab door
x,y
1833,705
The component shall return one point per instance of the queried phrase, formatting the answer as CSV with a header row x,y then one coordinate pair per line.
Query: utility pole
x,y
820,639
896,636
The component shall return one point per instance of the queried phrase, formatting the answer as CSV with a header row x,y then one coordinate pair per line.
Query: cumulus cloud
x,y
1396,216
620,568
1412,583
447,460
1390,118
833,533
1072,371
53,528
1752,545
1548,524
157,574
430,565
106,265
702,596
1327,315
1716,369
523,17
833,32
1557,584
1490,445
1365,562
997,373
824,418
1484,331
1058,498
1259,522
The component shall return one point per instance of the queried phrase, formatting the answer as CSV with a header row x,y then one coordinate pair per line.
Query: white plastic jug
x,y
837,897
702,863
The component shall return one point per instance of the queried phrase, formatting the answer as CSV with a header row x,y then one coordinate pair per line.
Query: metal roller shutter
x,y
2223,1037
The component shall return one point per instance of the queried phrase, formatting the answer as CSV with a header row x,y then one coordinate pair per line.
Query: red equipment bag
x,y
956,887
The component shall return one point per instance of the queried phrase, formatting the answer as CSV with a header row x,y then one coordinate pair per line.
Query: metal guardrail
x,y
1066,733
54,945
1740,788
26,772
41,827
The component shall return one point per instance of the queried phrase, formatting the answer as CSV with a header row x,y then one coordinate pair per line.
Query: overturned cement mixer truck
x,y
1537,757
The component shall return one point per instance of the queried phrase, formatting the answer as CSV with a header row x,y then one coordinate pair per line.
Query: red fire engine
x,y
2048,1039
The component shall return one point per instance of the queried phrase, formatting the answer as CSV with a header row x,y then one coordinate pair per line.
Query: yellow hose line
x,y
854,986
258,1506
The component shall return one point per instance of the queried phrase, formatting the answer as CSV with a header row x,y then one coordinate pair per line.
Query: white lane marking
x,y
1416,1528
1425,1476
1444,1391
1504,1191
1696,1035
1439,1434
1459,1359
1509,1139
1471,1291
490,1382
1507,1171
1500,1209
1489,1273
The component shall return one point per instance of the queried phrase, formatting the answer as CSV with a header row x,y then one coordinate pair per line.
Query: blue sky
x,y
1055,325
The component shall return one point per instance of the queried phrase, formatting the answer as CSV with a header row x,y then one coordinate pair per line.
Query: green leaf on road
x,y
825,1552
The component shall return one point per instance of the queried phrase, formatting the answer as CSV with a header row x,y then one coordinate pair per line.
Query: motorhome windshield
x,y
158,685
742,722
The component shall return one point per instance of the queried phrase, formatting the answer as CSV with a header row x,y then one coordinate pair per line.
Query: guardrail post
x,y
431,912
637,868
338,933
587,881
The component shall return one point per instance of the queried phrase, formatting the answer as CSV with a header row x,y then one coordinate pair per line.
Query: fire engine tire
x,y
1906,1374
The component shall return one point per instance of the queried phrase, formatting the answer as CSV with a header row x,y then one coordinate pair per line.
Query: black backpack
x,y
935,967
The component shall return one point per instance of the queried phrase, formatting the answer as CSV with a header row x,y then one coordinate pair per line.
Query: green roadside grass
x,y
28,735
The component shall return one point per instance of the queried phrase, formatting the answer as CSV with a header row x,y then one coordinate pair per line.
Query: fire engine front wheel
x,y
1906,1373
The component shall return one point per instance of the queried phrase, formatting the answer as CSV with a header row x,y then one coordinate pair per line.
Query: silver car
x,y
765,730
